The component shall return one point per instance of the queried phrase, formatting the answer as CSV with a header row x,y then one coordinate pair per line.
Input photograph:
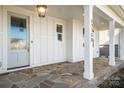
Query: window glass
x,y
59,28
18,33
83,37
60,37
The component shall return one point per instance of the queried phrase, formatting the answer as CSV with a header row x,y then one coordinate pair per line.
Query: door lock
x,y
28,49
32,41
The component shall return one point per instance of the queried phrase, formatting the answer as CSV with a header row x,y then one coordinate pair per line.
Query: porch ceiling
x,y
100,20
118,9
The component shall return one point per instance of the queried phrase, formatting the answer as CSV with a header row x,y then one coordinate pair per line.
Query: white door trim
x,y
10,14
21,11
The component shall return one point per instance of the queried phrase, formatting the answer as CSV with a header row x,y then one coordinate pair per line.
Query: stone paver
x,y
14,86
47,84
61,75
60,85
5,83
17,77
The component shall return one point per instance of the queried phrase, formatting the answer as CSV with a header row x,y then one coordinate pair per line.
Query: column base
x,y
88,75
112,63
121,58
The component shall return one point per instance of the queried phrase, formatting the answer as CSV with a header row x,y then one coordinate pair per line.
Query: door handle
x,y
28,47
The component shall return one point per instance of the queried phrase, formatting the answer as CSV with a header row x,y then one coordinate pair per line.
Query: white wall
x,y
121,34
47,48
104,37
75,49
1,36
96,44
69,42
75,40
78,49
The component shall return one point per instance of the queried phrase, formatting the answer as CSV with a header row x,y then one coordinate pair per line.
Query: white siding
x,y
47,49
36,40
60,47
1,36
44,40
75,41
96,44
104,37
69,42
50,40
121,40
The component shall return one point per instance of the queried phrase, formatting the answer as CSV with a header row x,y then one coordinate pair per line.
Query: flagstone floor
x,y
61,75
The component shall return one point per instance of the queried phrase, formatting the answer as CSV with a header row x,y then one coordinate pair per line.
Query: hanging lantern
x,y
41,10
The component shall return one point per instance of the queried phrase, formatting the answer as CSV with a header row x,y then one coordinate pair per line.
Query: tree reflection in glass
x,y
18,33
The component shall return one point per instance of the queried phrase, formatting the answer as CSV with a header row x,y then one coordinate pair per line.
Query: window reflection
x,y
18,33
59,29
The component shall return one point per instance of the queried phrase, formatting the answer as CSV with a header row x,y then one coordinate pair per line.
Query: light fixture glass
x,y
41,10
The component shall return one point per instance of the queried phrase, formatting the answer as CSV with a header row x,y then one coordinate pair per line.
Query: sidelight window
x,y
59,29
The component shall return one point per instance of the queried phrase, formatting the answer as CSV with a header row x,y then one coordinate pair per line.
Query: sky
x,y
17,33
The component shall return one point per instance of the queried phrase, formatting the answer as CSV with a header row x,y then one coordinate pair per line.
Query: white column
x,y
88,48
121,34
111,43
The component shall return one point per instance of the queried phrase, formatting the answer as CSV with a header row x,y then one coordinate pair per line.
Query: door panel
x,y
18,41
13,57
23,58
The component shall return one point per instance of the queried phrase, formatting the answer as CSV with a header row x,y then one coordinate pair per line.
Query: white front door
x,y
18,41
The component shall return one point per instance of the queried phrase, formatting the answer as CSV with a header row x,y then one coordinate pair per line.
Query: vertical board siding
x,y
47,49
1,36
76,39
60,47
81,40
44,40
69,41
96,44
37,40
79,35
50,41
